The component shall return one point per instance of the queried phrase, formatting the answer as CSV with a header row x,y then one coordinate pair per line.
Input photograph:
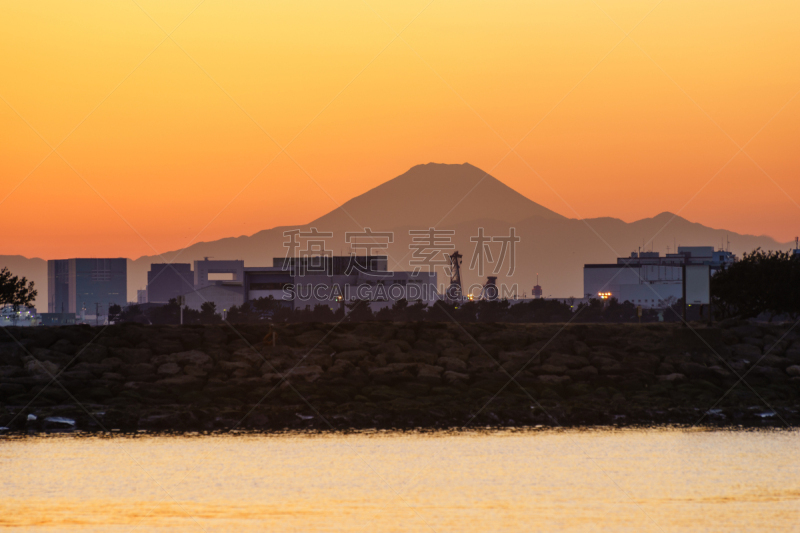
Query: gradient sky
x,y
165,141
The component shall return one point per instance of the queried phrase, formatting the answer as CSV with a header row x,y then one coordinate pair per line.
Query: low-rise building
x,y
310,281
647,278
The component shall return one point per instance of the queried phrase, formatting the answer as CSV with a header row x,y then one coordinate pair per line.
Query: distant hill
x,y
460,198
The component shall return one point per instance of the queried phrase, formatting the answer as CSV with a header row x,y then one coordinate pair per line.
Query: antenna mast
x,y
454,291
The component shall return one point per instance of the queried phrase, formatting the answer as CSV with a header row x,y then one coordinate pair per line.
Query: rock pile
x,y
403,375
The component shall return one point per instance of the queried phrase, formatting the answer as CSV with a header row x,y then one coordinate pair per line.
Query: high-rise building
x,y
88,285
166,281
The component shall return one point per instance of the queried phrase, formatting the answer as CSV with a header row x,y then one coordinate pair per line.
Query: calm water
x,y
625,480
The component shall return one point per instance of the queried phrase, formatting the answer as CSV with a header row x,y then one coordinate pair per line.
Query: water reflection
x,y
532,480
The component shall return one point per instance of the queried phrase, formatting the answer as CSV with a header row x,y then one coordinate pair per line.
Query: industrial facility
x,y
86,288
297,282
648,279
83,290
166,281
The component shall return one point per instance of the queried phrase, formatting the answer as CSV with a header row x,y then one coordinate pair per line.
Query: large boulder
x,y
243,354
554,380
92,353
452,363
194,370
746,351
181,383
43,354
346,343
12,353
444,343
340,368
414,356
239,369
352,355
132,355
642,361
429,374
308,374
8,390
64,346
98,369
753,341
569,361
555,370
697,371
215,335
582,374
162,346
141,372
459,352
510,339
41,367
774,361
10,371
112,342
169,369
310,338
747,330
455,378
482,363
672,378
769,373
392,373
581,348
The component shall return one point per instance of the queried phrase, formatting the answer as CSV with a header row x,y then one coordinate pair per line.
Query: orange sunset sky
x,y
162,141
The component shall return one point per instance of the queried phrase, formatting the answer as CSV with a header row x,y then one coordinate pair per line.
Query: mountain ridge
x,y
459,197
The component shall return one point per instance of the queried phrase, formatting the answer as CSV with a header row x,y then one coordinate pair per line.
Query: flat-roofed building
x,y
310,281
166,281
86,286
647,278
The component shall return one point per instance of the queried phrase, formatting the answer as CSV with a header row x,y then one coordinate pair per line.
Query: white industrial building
x,y
647,278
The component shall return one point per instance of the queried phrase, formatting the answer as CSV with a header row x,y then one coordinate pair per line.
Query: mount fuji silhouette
x,y
462,198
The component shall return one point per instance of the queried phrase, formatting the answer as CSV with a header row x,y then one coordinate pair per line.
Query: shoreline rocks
x,y
398,375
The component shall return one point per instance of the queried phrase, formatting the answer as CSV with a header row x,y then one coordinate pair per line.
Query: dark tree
x,y
322,313
416,311
761,282
360,311
166,314
208,313
15,291
114,312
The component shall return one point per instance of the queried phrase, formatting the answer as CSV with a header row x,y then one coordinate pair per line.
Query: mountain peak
x,y
436,195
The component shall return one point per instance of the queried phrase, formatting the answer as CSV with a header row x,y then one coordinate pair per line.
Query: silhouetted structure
x,y
308,281
647,278
75,283
166,281
537,289
455,291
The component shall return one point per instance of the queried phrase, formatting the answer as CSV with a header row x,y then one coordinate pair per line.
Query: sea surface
x,y
659,480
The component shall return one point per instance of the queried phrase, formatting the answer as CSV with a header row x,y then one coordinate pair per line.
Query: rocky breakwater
x,y
395,375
